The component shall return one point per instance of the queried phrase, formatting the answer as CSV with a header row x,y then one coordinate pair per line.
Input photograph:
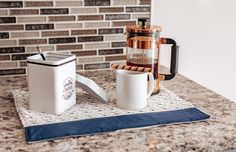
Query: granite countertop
x,y
216,134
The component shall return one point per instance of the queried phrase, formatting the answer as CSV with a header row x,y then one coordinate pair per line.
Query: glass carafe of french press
x,y
143,50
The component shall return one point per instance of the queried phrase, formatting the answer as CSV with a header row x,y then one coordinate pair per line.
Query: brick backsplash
x,y
7,20
93,30
11,4
110,51
4,35
12,50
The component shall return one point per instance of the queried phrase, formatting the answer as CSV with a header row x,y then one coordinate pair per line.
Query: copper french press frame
x,y
138,37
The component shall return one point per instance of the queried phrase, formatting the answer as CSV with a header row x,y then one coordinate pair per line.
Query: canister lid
x,y
52,58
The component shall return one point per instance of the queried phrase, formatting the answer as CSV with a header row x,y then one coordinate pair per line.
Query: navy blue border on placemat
x,y
107,124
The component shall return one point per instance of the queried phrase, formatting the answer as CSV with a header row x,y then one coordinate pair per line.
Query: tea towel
x,y
91,116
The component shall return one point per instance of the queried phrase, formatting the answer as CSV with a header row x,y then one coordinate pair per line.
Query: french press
x,y
143,50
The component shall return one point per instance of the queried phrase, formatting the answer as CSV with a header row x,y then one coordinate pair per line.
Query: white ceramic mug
x,y
132,89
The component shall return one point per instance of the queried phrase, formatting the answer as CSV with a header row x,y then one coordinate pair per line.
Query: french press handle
x,y
174,58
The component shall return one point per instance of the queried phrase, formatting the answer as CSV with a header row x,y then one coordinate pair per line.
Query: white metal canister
x,y
52,82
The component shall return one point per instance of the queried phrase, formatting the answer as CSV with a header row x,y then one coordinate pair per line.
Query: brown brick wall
x,y
93,30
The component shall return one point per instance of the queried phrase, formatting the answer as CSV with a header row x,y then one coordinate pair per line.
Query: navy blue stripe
x,y
107,124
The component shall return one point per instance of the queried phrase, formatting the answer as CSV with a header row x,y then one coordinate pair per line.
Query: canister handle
x,y
174,58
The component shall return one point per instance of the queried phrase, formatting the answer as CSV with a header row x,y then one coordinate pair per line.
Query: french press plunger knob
x,y
143,21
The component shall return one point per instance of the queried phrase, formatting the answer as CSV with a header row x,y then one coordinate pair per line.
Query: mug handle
x,y
151,86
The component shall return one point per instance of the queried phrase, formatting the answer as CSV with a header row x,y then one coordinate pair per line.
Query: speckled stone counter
x,y
216,134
